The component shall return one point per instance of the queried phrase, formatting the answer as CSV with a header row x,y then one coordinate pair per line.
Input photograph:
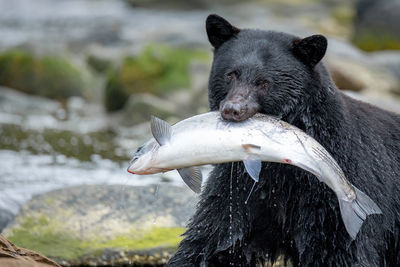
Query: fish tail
x,y
355,212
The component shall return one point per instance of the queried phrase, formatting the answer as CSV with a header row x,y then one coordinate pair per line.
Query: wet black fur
x,y
291,212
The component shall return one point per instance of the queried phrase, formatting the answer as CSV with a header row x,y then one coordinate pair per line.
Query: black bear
x,y
290,212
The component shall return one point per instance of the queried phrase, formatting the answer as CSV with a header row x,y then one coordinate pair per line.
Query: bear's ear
x,y
311,49
219,30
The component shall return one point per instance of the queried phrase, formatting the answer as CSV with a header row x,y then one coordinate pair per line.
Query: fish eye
x,y
140,148
262,83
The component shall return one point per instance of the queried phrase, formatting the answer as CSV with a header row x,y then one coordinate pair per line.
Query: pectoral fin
x,y
253,168
161,130
192,177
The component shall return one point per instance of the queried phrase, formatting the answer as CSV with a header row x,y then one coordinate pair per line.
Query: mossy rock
x,y
64,142
377,25
49,76
100,65
140,107
103,225
372,40
156,70
48,236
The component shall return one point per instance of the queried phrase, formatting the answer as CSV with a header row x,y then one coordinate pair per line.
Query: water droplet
x,y
230,211
251,190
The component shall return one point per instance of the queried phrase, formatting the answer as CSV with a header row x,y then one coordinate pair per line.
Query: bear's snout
x,y
237,110
232,111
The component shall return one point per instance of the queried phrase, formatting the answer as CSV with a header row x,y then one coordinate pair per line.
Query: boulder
x,y
356,76
377,25
105,225
157,70
390,104
388,59
50,76
364,77
140,107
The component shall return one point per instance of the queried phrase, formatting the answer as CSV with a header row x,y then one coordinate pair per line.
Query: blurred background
x,y
79,80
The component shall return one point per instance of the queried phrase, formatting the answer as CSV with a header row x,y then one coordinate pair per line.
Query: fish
x,y
209,139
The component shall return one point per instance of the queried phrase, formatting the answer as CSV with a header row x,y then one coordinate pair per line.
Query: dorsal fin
x,y
161,130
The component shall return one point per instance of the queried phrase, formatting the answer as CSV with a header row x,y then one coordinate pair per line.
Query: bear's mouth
x,y
237,111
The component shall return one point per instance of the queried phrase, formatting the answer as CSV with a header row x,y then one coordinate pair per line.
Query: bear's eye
x,y
262,83
231,75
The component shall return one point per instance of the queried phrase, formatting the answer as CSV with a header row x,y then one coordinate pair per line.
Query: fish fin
x,y
161,130
253,168
355,212
251,147
192,177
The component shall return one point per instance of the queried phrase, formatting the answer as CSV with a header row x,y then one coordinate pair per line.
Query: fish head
x,y
142,161
145,161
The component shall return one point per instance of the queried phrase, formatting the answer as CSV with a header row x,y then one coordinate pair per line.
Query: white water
x,y
23,175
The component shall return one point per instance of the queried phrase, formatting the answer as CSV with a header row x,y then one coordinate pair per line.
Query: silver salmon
x,y
209,139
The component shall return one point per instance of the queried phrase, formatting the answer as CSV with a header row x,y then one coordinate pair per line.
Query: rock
x,y
105,225
157,70
195,100
12,256
389,59
140,107
390,104
176,105
376,74
99,63
354,75
377,25
49,76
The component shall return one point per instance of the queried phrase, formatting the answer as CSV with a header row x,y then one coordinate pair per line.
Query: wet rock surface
x,y
96,225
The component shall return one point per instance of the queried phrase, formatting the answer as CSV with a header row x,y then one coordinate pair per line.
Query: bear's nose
x,y
232,111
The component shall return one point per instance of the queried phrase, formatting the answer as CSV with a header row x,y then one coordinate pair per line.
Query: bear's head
x,y
261,71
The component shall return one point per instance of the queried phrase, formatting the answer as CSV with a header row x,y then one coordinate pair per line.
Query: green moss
x,y
100,65
372,40
48,76
44,236
156,237
48,236
157,70
68,143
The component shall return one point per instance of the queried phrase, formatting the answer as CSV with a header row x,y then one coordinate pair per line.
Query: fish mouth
x,y
131,163
129,170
